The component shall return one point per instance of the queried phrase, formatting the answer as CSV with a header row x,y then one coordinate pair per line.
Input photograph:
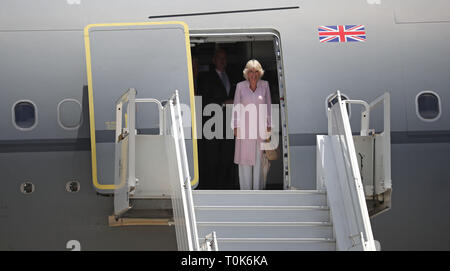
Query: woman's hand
x,y
235,132
269,129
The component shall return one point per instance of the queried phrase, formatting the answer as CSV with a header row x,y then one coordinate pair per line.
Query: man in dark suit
x,y
218,168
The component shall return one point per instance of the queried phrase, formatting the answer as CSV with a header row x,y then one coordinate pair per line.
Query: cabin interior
x,y
239,50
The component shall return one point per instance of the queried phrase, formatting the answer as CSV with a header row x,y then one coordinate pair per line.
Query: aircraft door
x,y
153,58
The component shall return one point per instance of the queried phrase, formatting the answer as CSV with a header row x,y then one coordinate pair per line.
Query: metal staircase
x,y
265,220
333,217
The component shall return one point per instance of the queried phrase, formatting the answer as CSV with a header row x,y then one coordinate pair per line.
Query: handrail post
x,y
128,97
187,177
386,99
131,112
210,242
215,245
119,105
365,115
184,181
180,172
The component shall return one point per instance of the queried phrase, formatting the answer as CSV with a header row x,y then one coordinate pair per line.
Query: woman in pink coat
x,y
251,121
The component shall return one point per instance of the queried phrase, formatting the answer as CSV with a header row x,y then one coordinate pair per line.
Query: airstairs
x,y
153,187
265,220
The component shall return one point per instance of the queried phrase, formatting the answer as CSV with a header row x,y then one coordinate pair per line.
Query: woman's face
x,y
253,75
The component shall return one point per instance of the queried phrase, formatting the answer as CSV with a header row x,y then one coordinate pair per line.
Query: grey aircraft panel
x,y
45,68
304,175
419,11
425,70
418,219
50,217
366,69
150,58
76,14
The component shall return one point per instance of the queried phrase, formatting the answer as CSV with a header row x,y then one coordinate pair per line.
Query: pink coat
x,y
260,101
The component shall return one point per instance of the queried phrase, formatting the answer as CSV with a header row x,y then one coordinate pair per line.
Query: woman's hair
x,y
253,64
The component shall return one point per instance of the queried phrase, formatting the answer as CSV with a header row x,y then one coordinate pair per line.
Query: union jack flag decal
x,y
342,33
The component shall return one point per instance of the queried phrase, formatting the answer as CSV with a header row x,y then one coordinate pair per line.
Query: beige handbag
x,y
273,154
273,150
265,166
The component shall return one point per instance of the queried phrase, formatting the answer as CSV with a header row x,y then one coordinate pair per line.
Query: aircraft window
x,y
24,115
70,114
73,186
27,188
428,106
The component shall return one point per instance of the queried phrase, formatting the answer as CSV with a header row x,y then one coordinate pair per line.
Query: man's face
x,y
220,61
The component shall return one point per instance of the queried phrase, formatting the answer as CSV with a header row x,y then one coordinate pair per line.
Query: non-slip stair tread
x,y
290,240
256,192
263,223
266,230
231,207
273,216
255,198
276,246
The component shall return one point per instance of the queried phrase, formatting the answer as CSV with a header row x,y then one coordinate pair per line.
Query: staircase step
x,y
260,197
262,213
275,244
266,229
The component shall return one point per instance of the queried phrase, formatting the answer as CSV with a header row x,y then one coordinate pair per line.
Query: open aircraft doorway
x,y
216,157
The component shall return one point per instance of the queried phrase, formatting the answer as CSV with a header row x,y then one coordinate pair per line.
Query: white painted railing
x,y
385,146
350,214
171,127
182,201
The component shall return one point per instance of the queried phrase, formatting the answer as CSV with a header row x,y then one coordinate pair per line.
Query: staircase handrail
x,y
355,207
183,170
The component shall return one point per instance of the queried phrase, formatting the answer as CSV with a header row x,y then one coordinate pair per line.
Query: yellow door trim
x,y
95,180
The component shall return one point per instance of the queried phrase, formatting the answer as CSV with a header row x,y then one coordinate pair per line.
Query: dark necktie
x,y
225,81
